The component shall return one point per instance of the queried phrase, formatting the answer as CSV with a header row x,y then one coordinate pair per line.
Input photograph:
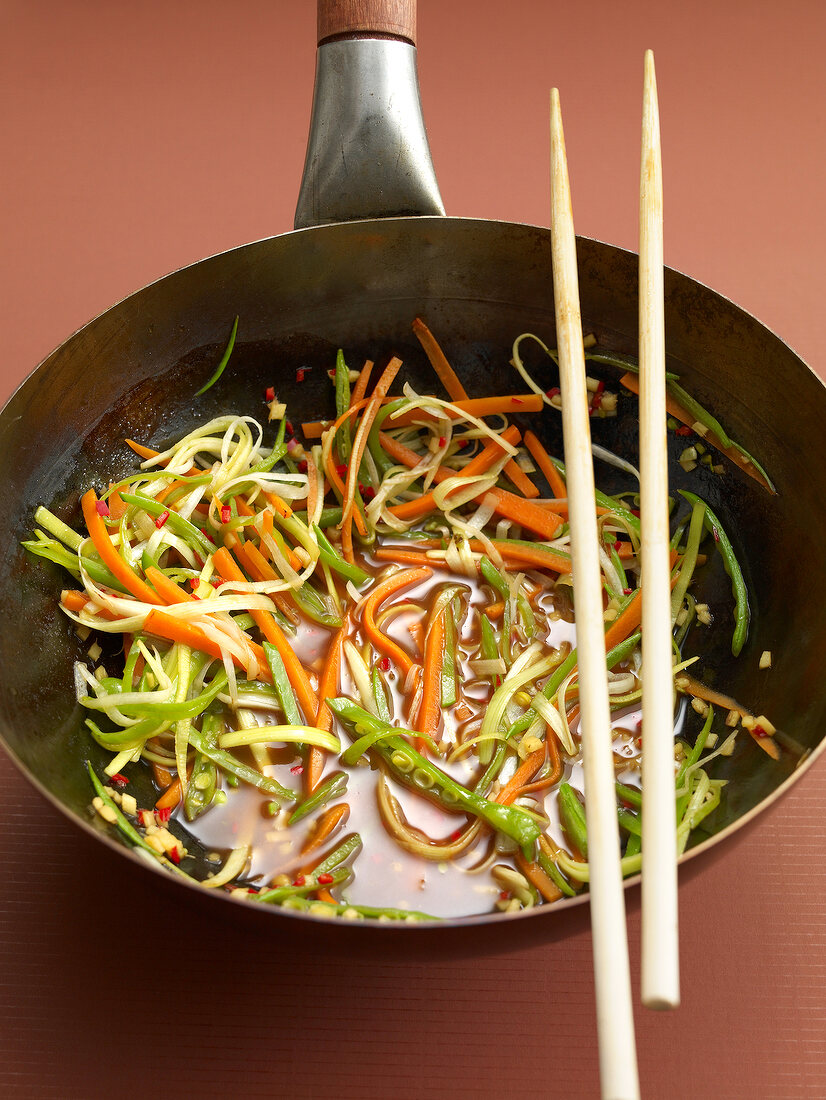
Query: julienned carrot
x,y
700,690
381,641
480,464
178,630
109,555
170,797
537,878
438,360
675,409
427,720
360,387
520,479
359,444
333,476
140,450
168,590
257,567
327,688
472,406
630,617
327,824
270,629
546,466
75,601
523,774
409,557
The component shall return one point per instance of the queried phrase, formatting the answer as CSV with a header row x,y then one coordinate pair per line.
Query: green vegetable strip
x,y
331,788
56,527
281,893
53,551
383,461
203,782
380,697
634,845
188,531
700,414
556,876
370,912
631,795
732,567
283,687
329,556
572,815
448,674
630,822
689,561
219,370
339,855
419,774
170,712
343,439
227,762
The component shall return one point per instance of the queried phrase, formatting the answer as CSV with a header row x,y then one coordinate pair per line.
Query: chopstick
x,y
660,949
615,1018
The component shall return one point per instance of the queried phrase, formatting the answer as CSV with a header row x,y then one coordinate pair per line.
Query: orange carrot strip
x,y
270,629
523,774
327,686
139,449
438,361
430,709
109,555
679,412
473,406
537,878
359,444
168,590
490,453
117,505
177,630
495,610
257,567
701,691
170,797
520,479
408,557
381,641
360,388
161,776
557,768
327,824
547,468
630,617
541,521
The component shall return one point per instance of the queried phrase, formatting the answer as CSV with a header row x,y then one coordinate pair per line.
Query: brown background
x,y
138,138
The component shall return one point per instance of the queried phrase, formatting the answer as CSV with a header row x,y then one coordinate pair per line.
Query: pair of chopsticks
x,y
660,965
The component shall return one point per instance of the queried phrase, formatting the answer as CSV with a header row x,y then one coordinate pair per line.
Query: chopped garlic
x,y
699,429
700,705
104,810
278,410
703,614
129,804
766,659
732,718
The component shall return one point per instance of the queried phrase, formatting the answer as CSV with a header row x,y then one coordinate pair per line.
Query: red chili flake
x,y
299,374
517,401
269,393
102,508
175,855
553,392
119,780
210,538
462,443
758,731
325,878
162,518
368,492
618,544
505,895
596,401
384,664
194,582
715,532
626,591
635,512
682,430
303,466
341,469
217,583
299,880
456,834
297,769
163,813
195,597
442,441
638,742
600,387
290,427
626,805
226,513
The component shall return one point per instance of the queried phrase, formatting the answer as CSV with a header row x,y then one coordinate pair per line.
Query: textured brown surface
x,y
136,142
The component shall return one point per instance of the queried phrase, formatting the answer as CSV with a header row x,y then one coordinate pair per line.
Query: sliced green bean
x,y
324,793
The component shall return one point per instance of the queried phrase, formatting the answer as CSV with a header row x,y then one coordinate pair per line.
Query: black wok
x,y
133,371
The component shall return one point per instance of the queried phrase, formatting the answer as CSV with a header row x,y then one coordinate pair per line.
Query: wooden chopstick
x,y
660,950
615,1018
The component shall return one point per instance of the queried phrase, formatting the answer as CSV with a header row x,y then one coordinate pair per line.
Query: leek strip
x,y
237,860
689,562
288,734
53,551
61,531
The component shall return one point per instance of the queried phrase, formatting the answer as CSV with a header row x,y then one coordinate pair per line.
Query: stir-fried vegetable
x,y
404,581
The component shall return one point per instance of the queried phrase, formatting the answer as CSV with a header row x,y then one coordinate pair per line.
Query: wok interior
x,y
135,369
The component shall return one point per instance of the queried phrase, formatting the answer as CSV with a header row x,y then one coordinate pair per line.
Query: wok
x,y
357,284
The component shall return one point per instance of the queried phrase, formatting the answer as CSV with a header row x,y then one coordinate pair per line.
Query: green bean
x,y
329,789
572,815
343,438
369,912
280,894
380,457
689,562
732,567
219,370
203,780
380,697
630,822
701,415
171,712
419,774
53,551
188,531
227,762
554,873
329,556
631,795
339,855
282,685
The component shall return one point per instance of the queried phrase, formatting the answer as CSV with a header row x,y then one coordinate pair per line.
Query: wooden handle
x,y
367,19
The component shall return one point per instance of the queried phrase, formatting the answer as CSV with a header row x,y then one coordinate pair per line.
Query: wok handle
x,y
367,153
367,19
